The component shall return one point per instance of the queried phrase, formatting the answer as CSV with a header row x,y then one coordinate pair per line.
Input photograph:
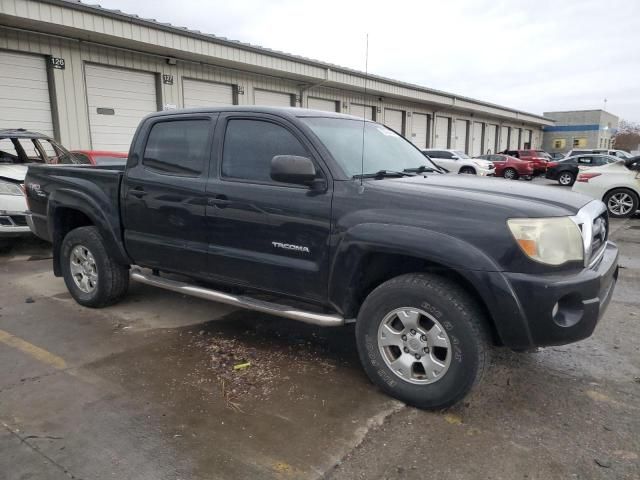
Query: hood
x,y
17,173
476,194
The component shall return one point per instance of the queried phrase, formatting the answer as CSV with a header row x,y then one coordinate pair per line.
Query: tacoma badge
x,y
286,246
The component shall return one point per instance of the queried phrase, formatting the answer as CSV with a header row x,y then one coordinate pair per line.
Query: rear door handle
x,y
219,201
137,192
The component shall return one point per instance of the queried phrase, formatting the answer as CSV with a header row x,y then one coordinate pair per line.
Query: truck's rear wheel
x,y
91,276
422,339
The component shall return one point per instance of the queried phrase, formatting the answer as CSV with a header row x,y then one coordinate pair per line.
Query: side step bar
x,y
285,311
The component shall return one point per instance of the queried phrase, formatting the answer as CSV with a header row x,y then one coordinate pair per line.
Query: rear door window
x,y
178,147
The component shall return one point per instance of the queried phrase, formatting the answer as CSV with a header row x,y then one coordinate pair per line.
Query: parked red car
x,y
99,157
510,167
539,158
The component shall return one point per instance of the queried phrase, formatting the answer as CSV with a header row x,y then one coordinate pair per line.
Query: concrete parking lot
x,y
147,389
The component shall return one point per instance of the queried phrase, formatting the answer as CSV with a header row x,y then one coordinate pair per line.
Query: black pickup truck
x,y
334,220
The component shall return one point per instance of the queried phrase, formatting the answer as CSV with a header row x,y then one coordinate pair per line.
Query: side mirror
x,y
293,169
454,157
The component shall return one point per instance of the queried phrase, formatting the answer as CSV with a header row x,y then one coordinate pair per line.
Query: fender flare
x,y
466,260
104,216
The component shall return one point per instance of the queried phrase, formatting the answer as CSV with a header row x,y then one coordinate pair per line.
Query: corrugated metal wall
x,y
68,87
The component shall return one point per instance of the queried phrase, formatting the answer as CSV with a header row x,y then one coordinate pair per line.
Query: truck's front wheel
x,y
91,276
422,339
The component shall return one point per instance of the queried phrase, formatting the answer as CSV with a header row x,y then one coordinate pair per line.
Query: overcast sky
x,y
531,55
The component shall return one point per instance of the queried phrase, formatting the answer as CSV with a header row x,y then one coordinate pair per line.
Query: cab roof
x,y
281,111
21,133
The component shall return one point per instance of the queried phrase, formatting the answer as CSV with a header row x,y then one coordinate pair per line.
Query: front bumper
x,y
561,309
485,172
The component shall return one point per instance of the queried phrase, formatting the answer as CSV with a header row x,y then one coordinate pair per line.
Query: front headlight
x,y
553,240
8,188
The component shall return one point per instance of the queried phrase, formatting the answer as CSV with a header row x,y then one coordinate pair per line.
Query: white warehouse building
x,y
87,75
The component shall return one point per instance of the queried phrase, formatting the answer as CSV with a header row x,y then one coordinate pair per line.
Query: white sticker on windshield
x,y
386,131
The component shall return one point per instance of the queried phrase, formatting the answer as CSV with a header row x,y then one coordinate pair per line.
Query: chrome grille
x,y
600,235
593,221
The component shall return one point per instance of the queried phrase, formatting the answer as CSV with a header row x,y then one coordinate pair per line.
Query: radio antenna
x,y
364,111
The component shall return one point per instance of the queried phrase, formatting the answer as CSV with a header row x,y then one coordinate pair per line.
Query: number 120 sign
x,y
57,63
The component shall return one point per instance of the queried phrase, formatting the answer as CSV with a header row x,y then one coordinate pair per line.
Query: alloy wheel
x,y
510,173
620,203
565,178
83,269
414,345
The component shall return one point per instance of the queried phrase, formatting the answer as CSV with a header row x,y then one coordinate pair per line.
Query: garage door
x,y
504,138
197,93
490,135
117,99
420,129
476,139
24,93
362,111
272,99
442,132
394,120
322,104
514,138
462,127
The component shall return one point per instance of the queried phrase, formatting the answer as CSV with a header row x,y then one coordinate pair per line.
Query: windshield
x,y
383,148
461,154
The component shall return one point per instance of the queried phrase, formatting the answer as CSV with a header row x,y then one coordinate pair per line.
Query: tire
x,y
96,281
467,170
566,179
621,202
510,174
461,347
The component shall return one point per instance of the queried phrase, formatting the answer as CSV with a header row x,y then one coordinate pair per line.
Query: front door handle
x,y
219,201
137,192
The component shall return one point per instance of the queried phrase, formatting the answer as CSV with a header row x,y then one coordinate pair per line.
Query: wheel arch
x,y
358,268
635,193
68,210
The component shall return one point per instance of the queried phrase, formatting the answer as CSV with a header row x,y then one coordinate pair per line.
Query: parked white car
x,y
599,151
13,205
19,148
616,184
457,161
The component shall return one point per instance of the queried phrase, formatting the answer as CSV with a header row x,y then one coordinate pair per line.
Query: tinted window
x,y
249,146
178,147
585,160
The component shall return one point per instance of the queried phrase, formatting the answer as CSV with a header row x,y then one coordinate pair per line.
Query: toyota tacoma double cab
x,y
330,219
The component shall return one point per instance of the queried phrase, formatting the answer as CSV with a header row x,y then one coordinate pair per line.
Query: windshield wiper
x,y
422,169
385,174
